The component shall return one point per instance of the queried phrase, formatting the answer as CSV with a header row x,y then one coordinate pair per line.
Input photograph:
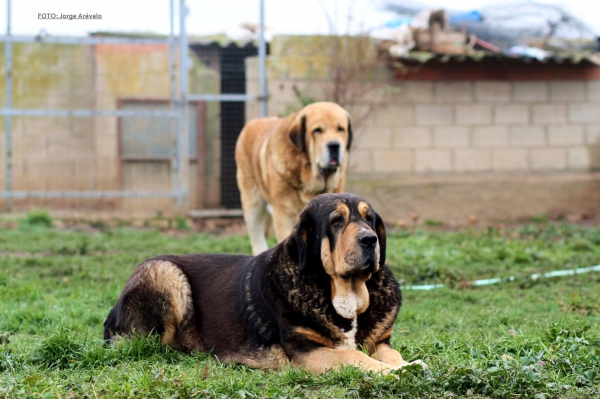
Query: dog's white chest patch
x,y
346,305
350,337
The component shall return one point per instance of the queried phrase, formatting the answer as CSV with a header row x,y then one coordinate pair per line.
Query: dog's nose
x,y
368,240
334,147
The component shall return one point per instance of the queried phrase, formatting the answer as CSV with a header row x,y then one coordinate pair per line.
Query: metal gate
x,y
111,140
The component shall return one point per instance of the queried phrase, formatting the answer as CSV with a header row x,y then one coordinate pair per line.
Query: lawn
x,y
538,339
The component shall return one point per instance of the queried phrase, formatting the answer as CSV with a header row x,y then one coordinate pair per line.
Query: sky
x,y
225,16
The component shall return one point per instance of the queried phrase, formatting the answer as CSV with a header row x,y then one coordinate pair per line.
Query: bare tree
x,y
357,74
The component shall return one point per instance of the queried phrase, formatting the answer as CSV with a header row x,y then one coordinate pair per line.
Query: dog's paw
x,y
421,363
402,367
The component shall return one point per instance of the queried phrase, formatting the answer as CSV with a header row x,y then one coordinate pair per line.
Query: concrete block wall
x,y
431,127
75,154
483,126
448,150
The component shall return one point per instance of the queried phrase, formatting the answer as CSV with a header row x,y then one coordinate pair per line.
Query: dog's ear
x,y
299,244
349,135
298,133
380,230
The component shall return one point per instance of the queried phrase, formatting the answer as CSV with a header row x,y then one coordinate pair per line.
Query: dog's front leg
x,y
255,215
384,353
322,359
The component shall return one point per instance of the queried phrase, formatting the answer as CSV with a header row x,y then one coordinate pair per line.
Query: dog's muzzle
x,y
333,159
364,262
368,242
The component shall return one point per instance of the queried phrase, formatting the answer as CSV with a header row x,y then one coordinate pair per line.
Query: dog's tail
x,y
110,325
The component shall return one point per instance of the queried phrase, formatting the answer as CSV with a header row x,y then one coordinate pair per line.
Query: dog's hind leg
x,y
157,298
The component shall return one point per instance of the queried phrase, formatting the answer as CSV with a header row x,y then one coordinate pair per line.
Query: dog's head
x,y
342,235
323,132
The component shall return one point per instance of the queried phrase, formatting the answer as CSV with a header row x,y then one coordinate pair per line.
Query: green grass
x,y
522,339
38,217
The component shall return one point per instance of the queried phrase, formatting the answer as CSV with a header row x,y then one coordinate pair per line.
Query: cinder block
x,y
594,152
434,115
361,161
453,92
548,159
278,108
412,137
373,138
511,114
393,160
251,68
593,90
490,136
475,114
471,160
567,90
586,113
530,91
394,115
579,158
510,159
252,110
433,161
450,137
498,92
592,134
252,87
549,113
414,92
281,90
565,135
530,136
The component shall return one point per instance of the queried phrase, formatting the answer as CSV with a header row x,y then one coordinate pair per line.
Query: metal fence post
x,y
183,151
174,123
262,60
8,106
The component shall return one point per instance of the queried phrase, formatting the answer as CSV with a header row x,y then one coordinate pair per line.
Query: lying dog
x,y
315,300
287,162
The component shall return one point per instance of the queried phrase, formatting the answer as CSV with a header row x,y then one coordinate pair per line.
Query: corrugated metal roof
x,y
424,57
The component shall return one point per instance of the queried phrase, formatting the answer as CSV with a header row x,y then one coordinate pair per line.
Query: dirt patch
x,y
220,226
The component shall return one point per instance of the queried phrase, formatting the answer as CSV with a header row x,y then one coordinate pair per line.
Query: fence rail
x,y
88,194
82,40
86,113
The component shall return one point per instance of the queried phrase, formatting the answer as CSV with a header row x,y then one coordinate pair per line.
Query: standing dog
x,y
322,298
287,162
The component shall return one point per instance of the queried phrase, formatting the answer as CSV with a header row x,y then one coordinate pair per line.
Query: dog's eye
x,y
337,222
318,130
341,129
369,218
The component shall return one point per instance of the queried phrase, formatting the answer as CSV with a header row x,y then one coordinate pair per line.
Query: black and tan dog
x,y
282,163
315,300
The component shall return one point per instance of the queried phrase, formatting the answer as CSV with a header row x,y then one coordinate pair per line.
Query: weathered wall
x,y
45,77
477,142
75,154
